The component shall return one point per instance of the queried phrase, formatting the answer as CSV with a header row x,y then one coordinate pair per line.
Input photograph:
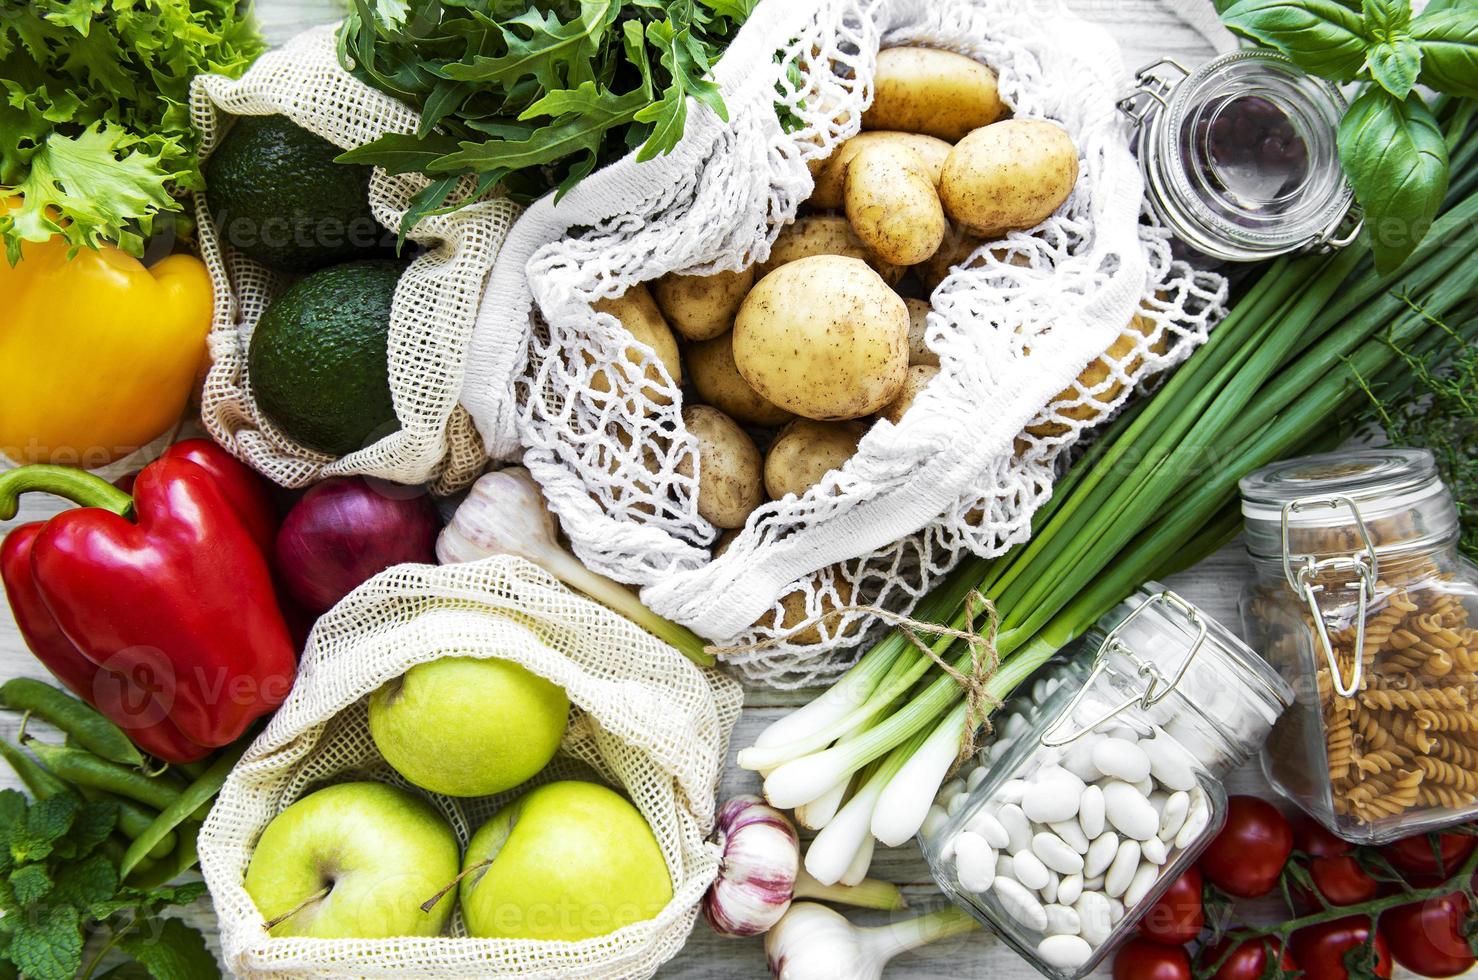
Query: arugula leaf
x,y
1322,37
400,153
1449,44
1395,157
48,944
176,952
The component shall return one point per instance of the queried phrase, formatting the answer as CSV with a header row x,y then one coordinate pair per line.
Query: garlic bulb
x,y
505,514
811,942
759,872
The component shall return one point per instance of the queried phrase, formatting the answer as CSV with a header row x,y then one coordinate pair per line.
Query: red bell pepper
x,y
168,623
244,489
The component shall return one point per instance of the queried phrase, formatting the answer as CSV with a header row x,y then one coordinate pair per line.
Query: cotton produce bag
x,y
644,720
436,301
1014,327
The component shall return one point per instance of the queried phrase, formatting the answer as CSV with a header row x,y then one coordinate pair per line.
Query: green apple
x,y
375,852
468,727
569,860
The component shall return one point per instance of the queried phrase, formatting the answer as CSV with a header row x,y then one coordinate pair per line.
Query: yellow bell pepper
x,y
98,354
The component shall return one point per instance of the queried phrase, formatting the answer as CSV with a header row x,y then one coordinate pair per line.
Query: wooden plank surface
x,y
1146,29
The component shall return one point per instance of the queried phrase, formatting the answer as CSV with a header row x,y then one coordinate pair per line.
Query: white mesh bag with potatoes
x,y
642,720
430,439
794,371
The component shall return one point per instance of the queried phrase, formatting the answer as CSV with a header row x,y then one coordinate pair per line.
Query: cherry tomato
x,y
1427,937
1145,959
1246,858
1248,961
1310,837
1342,881
1416,857
1320,950
1177,917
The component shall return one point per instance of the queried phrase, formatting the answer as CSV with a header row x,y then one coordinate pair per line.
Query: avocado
x,y
318,360
278,197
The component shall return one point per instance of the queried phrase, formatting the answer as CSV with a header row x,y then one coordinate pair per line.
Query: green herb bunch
x,y
1390,145
1436,408
95,130
533,95
60,893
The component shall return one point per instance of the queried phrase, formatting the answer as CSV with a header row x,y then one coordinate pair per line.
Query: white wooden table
x,y
1146,29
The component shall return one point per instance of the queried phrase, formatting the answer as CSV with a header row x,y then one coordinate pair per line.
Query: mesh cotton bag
x,y
644,720
436,301
1014,327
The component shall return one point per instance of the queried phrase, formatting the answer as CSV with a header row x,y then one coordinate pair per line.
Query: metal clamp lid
x,y
1150,88
1300,574
1158,687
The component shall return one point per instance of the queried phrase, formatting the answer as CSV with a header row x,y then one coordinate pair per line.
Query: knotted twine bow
x,y
984,658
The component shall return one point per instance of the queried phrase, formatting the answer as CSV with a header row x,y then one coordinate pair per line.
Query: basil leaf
x,y
1393,152
1385,20
1394,65
1448,39
1322,37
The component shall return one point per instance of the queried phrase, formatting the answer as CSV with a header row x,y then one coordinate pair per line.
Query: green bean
x,y
197,795
134,820
153,874
41,783
86,769
76,718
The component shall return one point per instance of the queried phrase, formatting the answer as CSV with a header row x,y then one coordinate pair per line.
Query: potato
x,y
638,313
917,379
918,351
1010,175
729,467
823,234
702,307
711,369
805,451
925,90
1097,372
956,248
832,171
893,205
823,337
793,611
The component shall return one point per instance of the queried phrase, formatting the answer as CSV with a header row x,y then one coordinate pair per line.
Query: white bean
x,y
1196,820
1005,867
1049,890
1029,869
986,825
1157,800
934,820
1071,833
1095,916
1144,879
1016,723
1100,854
1090,811
1153,851
1146,786
1062,920
1020,904
957,802
1128,811
949,789
1123,731
994,753
1053,799
1069,889
1116,910
1056,854
1170,764
1064,952
1078,759
975,862
1173,817
1018,828
1121,872
1094,884
1121,759
976,777
1011,791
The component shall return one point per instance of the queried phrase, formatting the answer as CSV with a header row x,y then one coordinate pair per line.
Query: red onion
x,y
345,531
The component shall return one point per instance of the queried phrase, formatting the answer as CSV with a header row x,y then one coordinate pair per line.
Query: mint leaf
x,y
174,951
1393,152
1322,37
1449,44
46,821
29,884
94,822
48,945
87,883
1394,65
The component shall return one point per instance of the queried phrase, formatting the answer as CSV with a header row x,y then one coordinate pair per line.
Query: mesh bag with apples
x,y
436,300
1038,334
643,720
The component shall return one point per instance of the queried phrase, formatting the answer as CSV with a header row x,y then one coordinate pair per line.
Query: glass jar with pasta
x,y
1362,601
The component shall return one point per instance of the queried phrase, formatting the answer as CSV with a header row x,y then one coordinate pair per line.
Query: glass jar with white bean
x,y
1110,786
